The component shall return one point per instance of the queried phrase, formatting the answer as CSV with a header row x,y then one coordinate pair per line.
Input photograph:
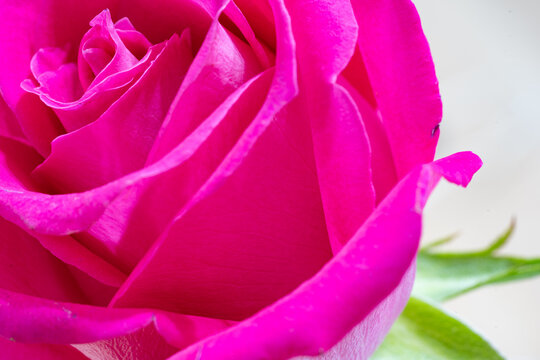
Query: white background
x,y
487,56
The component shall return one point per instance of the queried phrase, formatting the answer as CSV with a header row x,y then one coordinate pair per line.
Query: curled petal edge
x,y
347,291
28,319
345,294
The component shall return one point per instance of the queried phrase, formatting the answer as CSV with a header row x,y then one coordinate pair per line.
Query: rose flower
x,y
209,179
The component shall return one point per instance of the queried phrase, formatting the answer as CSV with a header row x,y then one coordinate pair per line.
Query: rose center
x,y
108,48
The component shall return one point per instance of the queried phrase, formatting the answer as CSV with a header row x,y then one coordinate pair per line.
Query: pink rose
x,y
208,179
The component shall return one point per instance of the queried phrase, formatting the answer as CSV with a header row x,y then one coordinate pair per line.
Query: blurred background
x,y
487,56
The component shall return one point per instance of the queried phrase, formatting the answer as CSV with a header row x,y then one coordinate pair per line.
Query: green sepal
x,y
423,331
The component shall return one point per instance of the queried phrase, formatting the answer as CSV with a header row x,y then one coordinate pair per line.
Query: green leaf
x,y
425,332
441,276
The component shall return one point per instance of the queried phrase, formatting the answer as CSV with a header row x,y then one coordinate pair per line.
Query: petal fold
x,y
220,67
26,267
64,86
325,43
31,320
401,72
122,137
375,262
17,351
25,28
235,175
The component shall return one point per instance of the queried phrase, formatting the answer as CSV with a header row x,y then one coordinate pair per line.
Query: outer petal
x,y
401,72
148,334
142,344
364,338
372,265
16,351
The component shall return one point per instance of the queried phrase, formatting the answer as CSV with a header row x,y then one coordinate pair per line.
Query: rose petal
x,y
28,26
25,27
264,55
9,127
122,137
17,351
102,52
16,162
236,248
38,123
63,214
383,169
283,89
77,113
260,17
62,85
96,292
67,214
362,340
35,211
136,42
399,65
53,214
325,43
141,215
73,252
142,344
59,80
344,294
26,267
28,319
222,64
356,74
47,60
343,159
173,16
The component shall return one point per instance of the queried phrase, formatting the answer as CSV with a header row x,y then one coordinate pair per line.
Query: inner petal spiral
x,y
109,48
